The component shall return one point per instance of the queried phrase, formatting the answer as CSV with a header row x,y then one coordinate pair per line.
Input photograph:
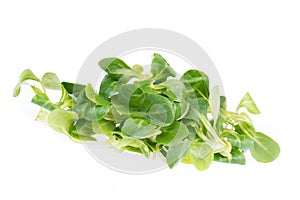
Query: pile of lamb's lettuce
x,y
180,118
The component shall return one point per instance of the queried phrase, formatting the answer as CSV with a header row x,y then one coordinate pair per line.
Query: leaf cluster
x,y
181,119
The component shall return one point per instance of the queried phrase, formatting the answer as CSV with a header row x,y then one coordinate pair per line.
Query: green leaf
x,y
103,127
214,103
161,110
240,141
201,155
83,127
122,100
248,103
43,101
62,120
77,137
108,87
175,90
65,100
182,108
198,107
94,113
73,88
137,100
139,129
177,152
197,83
27,74
87,109
95,98
90,112
222,113
238,157
51,81
264,149
115,67
133,145
160,69
173,134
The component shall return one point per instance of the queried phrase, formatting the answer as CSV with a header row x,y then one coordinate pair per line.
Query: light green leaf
x,y
264,149
65,100
95,98
51,81
201,155
160,69
27,74
62,120
182,109
139,129
222,113
214,103
133,145
103,127
78,138
248,103
173,134
177,152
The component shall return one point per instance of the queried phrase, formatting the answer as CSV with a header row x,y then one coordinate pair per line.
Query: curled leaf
x,y
27,74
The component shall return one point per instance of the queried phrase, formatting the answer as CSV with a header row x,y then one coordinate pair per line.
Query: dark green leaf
x,y
43,101
108,87
240,141
197,83
173,134
237,158
73,88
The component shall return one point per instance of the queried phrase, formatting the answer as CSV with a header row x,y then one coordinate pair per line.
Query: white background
x,y
254,44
